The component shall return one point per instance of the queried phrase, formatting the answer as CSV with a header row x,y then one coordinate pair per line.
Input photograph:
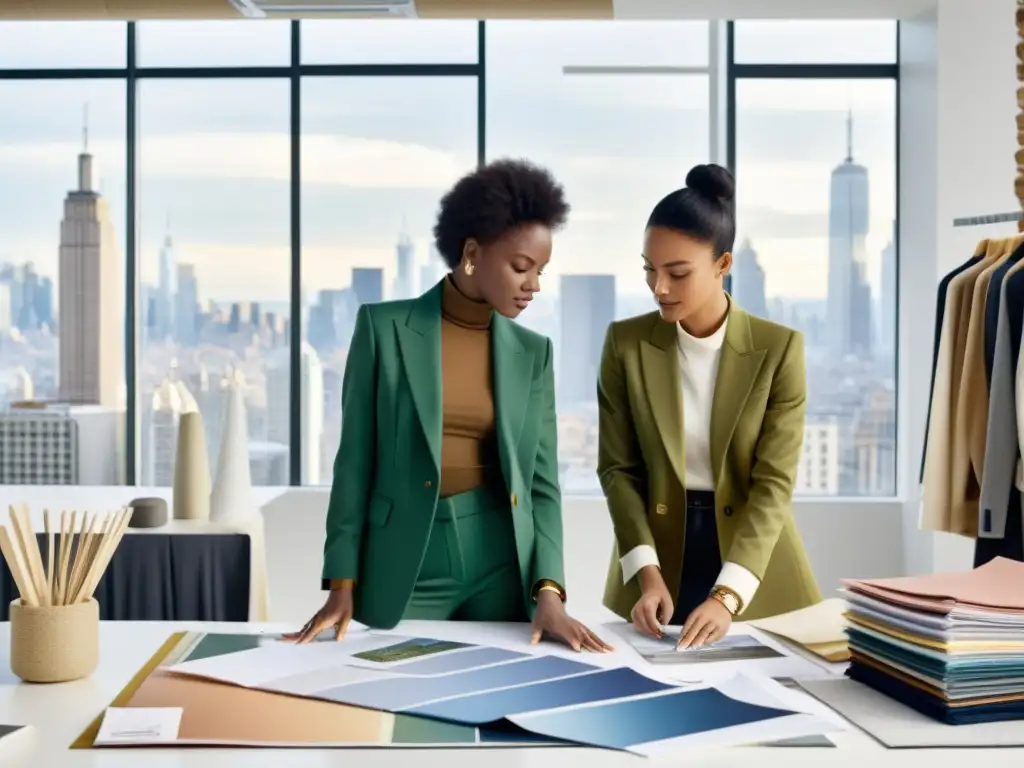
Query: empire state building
x,y
90,360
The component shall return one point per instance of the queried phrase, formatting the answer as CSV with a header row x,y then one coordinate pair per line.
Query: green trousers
x,y
470,571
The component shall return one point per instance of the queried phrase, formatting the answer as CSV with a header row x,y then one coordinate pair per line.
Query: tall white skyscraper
x,y
91,362
160,434
164,325
405,281
186,306
587,304
849,310
311,400
748,281
887,301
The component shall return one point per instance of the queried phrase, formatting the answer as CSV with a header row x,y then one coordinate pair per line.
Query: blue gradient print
x,y
622,724
494,705
459,661
396,694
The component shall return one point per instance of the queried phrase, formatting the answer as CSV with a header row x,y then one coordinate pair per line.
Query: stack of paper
x,y
950,645
820,629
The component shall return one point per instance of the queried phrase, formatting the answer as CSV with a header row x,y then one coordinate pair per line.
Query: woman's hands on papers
x,y
706,624
654,608
337,613
551,619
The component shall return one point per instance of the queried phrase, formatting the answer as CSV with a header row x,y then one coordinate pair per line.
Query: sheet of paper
x,y
819,623
277,662
674,721
139,725
786,663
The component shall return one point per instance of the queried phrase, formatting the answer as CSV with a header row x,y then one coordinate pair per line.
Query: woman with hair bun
x,y
701,410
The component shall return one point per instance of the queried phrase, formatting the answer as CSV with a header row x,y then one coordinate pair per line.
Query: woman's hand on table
x,y
336,612
706,624
552,620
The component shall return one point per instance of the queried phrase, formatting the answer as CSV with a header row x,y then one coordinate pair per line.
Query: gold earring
x,y
468,268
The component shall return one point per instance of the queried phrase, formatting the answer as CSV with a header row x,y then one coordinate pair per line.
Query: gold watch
x,y
728,598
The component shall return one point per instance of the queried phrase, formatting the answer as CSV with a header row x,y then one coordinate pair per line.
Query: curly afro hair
x,y
493,199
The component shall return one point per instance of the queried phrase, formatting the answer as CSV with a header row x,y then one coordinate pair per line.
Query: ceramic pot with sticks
x,y
55,620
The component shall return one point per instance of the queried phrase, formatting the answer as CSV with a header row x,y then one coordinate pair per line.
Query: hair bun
x,y
713,182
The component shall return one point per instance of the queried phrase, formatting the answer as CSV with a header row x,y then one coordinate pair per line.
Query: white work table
x,y
59,713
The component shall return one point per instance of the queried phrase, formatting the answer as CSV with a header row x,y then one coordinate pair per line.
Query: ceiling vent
x,y
340,9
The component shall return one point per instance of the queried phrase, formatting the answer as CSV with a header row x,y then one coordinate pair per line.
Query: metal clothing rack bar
x,y
990,218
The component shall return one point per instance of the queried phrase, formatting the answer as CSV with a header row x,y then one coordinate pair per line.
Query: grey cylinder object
x,y
148,513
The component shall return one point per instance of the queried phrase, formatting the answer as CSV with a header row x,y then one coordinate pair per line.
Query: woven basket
x,y
54,644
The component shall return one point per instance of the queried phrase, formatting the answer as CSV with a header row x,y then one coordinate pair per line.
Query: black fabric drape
x,y
166,577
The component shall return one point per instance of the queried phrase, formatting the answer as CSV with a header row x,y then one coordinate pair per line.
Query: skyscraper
x,y
405,282
368,284
887,300
164,325
90,358
587,306
849,295
748,281
311,399
186,306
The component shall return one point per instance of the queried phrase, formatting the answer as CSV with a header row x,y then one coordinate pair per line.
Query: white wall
x,y
957,143
842,539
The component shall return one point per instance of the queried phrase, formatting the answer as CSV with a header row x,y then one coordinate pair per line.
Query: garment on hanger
x,y
936,506
1001,476
940,311
970,422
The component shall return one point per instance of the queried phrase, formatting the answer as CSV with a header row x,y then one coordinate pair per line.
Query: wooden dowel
x,y
81,545
25,539
95,545
20,574
50,596
119,522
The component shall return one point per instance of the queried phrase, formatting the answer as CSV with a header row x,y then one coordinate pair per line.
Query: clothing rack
x,y
989,218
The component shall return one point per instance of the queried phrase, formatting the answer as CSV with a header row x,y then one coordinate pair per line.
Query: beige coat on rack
x,y
936,504
970,427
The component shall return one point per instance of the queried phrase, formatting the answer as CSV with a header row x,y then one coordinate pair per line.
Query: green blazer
x,y
757,432
388,467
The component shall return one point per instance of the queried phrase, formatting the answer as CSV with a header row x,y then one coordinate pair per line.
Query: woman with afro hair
x,y
445,502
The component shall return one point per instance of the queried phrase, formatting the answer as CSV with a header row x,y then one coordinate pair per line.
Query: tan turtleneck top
x,y
469,447
469,443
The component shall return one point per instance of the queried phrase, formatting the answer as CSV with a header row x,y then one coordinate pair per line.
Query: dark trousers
x,y
702,561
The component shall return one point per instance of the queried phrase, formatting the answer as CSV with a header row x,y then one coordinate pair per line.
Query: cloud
x,y
333,160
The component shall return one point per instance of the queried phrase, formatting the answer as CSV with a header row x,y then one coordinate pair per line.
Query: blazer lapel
x,y
419,339
513,372
737,370
659,361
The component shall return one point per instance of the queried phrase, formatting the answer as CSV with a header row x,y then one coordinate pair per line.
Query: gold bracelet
x,y
727,598
550,588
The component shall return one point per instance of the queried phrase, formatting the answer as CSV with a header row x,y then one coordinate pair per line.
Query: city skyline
x,y
214,240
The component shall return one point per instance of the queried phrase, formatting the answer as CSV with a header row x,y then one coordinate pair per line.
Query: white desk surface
x,y
59,713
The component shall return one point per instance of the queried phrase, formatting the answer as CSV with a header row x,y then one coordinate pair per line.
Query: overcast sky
x,y
378,152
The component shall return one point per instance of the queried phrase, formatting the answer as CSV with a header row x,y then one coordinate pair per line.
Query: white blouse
x,y
698,368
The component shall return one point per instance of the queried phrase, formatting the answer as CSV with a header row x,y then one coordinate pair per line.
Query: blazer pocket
x,y
380,510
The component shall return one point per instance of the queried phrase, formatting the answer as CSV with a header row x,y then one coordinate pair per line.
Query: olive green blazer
x,y
757,432
388,466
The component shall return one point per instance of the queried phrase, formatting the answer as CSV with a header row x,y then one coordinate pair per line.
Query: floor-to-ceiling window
x,y
813,118
246,185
